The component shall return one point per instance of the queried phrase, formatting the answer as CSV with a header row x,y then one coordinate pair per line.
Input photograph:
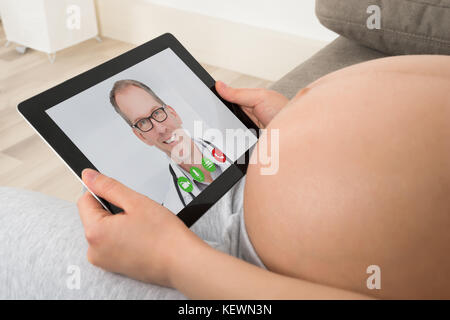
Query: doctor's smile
x,y
171,140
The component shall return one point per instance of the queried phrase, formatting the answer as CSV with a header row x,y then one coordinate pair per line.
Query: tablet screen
x,y
157,128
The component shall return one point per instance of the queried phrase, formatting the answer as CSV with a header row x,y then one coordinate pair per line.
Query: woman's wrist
x,y
185,253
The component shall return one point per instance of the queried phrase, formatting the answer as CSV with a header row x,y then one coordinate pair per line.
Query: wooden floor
x,y
25,160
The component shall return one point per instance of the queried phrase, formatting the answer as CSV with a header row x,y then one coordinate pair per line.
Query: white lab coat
x,y
176,198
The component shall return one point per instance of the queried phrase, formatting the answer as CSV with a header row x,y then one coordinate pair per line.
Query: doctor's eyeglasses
x,y
146,124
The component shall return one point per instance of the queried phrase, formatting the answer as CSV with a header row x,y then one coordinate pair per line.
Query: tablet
x,y
151,119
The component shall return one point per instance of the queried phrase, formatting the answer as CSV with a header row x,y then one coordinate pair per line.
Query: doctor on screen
x,y
158,125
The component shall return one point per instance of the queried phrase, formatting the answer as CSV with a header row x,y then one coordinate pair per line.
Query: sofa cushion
x,y
340,53
407,26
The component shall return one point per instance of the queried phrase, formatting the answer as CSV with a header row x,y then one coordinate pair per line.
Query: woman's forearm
x,y
205,273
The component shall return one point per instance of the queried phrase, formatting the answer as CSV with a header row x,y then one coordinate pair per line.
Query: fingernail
x,y
89,175
222,84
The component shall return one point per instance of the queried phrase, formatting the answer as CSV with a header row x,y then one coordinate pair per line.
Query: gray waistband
x,y
246,250
223,226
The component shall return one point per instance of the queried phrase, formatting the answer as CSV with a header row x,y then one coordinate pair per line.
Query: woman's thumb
x,y
109,189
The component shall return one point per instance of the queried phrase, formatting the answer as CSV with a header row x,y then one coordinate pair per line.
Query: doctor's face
x,y
136,104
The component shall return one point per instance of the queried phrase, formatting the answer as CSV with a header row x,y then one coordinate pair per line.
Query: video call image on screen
x,y
136,126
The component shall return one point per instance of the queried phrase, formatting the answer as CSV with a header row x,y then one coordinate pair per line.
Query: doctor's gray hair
x,y
122,84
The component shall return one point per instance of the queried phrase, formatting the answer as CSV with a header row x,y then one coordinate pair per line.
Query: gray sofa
x,y
406,27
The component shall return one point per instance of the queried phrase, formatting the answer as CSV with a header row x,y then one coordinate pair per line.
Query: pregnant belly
x,y
355,186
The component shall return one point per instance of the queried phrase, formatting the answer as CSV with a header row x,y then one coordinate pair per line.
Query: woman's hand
x,y
149,243
142,242
261,105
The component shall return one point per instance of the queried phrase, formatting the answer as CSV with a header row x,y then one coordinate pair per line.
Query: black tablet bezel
x,y
33,110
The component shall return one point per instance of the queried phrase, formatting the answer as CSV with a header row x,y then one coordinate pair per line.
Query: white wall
x,y
294,17
262,38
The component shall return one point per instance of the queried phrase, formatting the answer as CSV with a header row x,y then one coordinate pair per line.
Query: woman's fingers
x,y
110,189
249,112
242,96
91,211
260,104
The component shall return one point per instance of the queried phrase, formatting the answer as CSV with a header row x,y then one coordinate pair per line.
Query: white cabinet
x,y
48,25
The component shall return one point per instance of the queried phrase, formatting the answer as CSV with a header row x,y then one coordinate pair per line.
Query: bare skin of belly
x,y
363,179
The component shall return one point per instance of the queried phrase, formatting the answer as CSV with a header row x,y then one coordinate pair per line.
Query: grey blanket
x,y
43,249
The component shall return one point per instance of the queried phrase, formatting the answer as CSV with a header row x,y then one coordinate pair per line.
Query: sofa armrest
x,y
338,54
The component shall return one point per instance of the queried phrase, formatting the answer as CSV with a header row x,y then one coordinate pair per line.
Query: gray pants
x,y
42,249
